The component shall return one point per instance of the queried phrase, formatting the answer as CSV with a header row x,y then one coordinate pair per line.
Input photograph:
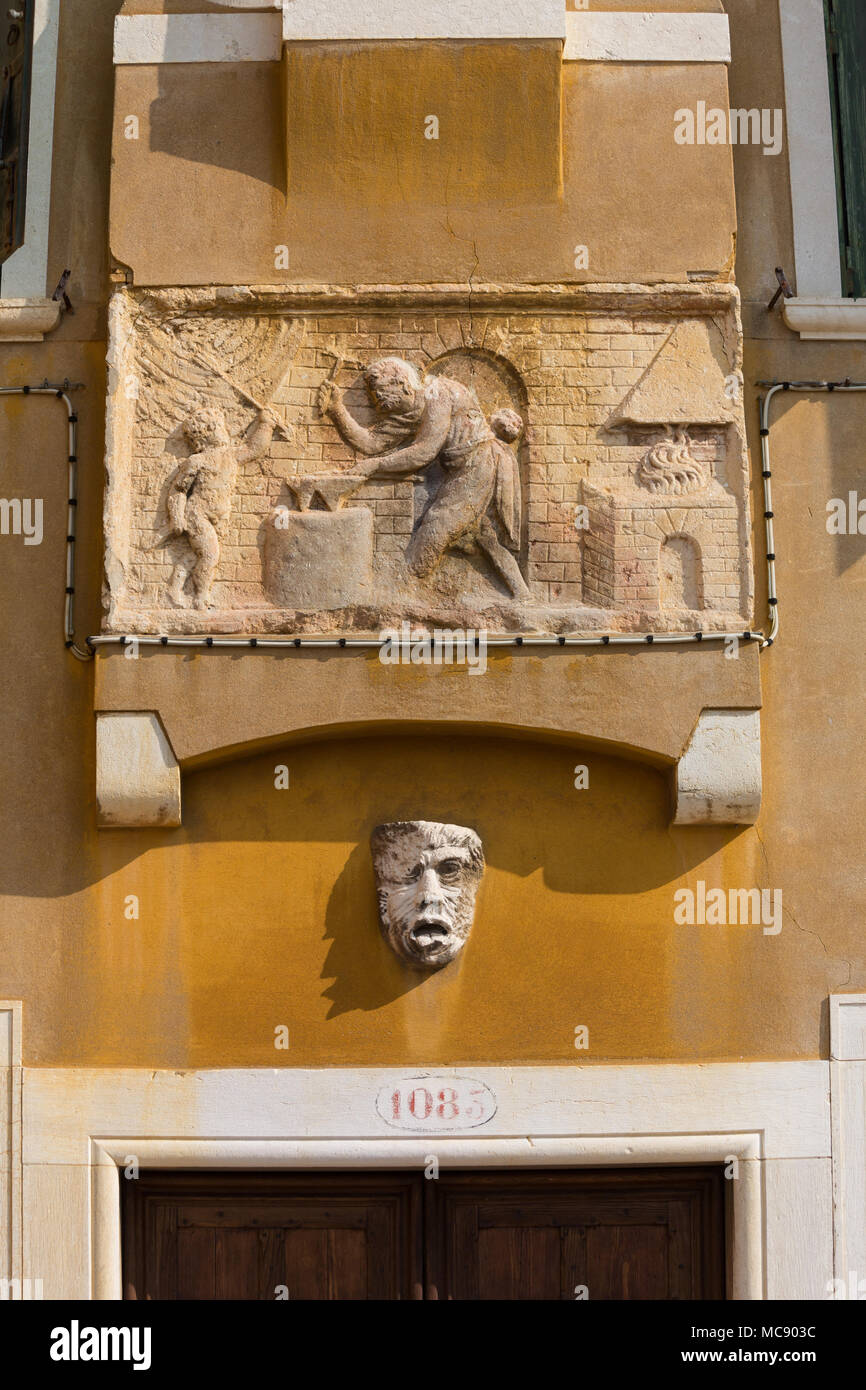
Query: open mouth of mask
x,y
429,933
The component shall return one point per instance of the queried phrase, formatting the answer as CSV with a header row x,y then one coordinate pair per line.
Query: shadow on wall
x,y
281,870
818,480
365,972
610,839
841,421
355,119
239,124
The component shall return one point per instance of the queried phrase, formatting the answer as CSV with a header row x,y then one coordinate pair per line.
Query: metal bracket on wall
x,y
784,289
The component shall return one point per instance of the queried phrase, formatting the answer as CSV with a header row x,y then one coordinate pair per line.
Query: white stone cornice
x,y
434,19
598,36
197,38
236,38
28,320
589,36
826,318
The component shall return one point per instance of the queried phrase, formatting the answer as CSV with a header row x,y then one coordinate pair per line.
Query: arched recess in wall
x,y
497,383
681,576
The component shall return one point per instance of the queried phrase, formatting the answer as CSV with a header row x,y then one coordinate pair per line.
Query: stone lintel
x,y
635,704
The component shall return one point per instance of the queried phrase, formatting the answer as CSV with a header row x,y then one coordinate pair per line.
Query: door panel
x,y
618,1234
547,1234
248,1235
515,1262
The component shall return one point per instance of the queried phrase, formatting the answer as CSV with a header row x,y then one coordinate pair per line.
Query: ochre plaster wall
x,y
260,910
337,168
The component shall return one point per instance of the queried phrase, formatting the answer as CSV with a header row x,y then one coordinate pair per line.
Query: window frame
x,y
850,181
23,277
821,308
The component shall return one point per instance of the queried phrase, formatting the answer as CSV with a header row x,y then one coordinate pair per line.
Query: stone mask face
x,y
427,875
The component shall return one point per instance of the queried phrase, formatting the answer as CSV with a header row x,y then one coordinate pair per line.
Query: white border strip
x,y
810,149
788,1102
197,38
25,273
848,1029
616,37
641,37
848,1102
82,1127
433,19
10,1140
108,1157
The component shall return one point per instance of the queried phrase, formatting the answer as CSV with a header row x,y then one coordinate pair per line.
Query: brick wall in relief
x,y
631,437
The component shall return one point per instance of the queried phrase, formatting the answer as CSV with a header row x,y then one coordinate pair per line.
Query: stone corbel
x,y
28,320
137,773
828,319
717,781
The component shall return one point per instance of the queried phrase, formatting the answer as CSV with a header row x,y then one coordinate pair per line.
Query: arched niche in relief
x,y
498,384
681,581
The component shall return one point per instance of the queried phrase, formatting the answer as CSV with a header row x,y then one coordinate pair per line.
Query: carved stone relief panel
x,y
282,463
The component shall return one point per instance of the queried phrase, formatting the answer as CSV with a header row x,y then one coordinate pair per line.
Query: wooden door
x,y
546,1234
263,1236
605,1234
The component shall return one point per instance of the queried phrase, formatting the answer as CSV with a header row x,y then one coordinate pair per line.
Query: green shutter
x,y
16,56
846,46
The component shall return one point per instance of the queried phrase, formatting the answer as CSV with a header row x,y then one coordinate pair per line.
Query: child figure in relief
x,y
200,496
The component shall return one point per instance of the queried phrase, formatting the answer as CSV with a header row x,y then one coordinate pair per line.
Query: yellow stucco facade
x,y
259,910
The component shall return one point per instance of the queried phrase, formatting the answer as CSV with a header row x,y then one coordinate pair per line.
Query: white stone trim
x,y
197,38
786,1102
810,149
718,778
215,38
137,774
848,1093
826,318
434,19
848,1029
27,320
82,1125
10,1140
597,36
109,1156
589,36
24,276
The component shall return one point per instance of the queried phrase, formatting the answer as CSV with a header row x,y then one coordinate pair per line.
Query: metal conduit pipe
x,y
647,639
765,403
60,394
545,640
